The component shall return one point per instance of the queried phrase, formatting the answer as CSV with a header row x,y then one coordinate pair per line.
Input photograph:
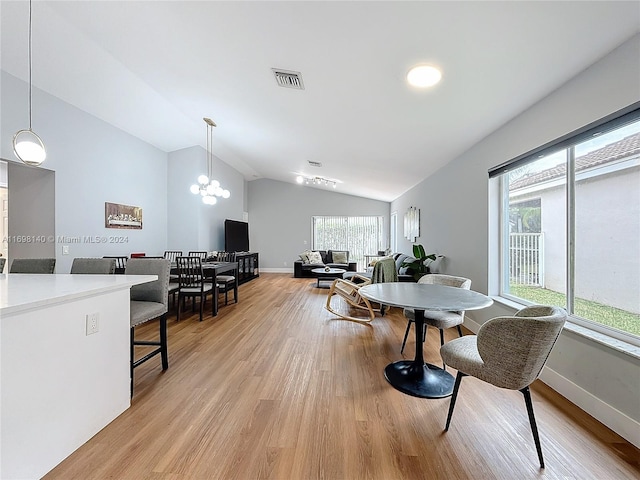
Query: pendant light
x,y
207,187
27,145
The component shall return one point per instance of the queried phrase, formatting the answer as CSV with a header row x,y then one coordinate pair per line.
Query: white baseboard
x,y
277,270
626,427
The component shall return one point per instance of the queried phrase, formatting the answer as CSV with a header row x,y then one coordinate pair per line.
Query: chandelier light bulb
x,y
210,190
226,193
215,183
203,179
299,179
195,189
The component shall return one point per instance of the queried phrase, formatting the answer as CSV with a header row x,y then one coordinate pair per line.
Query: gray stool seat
x,y
149,301
98,266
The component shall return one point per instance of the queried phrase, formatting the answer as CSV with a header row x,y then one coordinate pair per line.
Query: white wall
x,y
94,163
280,218
455,202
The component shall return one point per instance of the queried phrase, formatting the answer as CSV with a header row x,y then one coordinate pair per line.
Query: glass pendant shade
x,y
27,145
29,148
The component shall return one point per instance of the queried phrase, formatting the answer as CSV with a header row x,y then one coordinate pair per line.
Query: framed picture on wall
x,y
117,215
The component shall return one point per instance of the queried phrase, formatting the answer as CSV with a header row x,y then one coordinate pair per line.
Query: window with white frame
x,y
570,225
361,236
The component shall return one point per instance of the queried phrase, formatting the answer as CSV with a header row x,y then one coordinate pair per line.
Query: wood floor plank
x,y
276,387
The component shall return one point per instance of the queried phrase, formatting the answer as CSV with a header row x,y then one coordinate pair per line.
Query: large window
x,y
570,226
359,235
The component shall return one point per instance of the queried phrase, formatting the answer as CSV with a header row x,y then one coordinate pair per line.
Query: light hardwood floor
x,y
277,387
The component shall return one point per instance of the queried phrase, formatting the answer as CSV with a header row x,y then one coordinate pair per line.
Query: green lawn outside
x,y
596,312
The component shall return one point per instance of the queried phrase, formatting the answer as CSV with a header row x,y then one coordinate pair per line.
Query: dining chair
x,y
227,283
201,255
191,284
121,263
103,266
508,352
33,265
149,301
440,320
171,255
2,262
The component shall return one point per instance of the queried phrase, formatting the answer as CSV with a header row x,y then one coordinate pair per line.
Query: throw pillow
x,y
340,257
315,258
304,256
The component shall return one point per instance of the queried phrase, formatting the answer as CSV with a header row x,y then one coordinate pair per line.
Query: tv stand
x,y
247,266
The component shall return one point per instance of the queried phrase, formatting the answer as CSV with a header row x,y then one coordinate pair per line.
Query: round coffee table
x,y
324,275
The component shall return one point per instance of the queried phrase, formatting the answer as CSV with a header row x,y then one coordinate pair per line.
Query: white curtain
x,y
359,235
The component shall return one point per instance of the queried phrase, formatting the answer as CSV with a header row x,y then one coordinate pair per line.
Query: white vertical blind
x,y
359,235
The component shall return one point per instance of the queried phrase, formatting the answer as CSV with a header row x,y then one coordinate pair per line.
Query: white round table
x,y
414,377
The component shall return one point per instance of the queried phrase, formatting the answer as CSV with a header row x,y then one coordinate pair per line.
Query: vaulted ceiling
x,y
156,68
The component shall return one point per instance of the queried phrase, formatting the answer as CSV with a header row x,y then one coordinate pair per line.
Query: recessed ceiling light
x,y
424,76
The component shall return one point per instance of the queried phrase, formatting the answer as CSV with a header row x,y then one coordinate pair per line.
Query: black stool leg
x,y
131,361
163,342
454,395
459,330
532,420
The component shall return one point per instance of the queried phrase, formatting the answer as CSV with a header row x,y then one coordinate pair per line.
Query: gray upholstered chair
x,y
2,262
149,301
508,352
102,266
440,320
33,265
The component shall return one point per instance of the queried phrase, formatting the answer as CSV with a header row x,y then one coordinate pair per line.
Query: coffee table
x,y
414,377
324,275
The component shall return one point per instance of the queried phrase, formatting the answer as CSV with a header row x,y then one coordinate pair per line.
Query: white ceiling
x,y
155,68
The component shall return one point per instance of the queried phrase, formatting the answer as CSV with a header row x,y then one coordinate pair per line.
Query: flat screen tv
x,y
236,236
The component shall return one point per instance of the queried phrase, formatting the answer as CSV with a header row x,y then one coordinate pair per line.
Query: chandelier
x,y
27,145
207,187
316,181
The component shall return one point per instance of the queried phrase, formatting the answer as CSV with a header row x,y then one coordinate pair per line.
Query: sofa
x,y
302,269
405,274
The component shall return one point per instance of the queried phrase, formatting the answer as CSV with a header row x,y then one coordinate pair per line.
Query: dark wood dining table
x,y
212,270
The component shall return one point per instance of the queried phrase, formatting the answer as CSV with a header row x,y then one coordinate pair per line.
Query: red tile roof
x,y
626,147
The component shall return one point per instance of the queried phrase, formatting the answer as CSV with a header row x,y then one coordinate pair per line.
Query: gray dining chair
x,y
149,301
33,265
227,283
103,266
2,262
192,284
440,320
508,352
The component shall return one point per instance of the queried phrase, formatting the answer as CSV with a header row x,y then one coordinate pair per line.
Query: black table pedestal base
x,y
419,380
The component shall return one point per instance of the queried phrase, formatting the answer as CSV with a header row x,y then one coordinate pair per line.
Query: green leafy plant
x,y
420,266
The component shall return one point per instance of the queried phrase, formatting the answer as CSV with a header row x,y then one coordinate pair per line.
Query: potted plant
x,y
420,266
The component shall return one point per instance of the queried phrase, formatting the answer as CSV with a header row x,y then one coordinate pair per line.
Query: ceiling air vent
x,y
314,164
289,79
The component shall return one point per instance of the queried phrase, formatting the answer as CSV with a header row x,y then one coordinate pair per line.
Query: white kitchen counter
x,y
59,386
19,292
